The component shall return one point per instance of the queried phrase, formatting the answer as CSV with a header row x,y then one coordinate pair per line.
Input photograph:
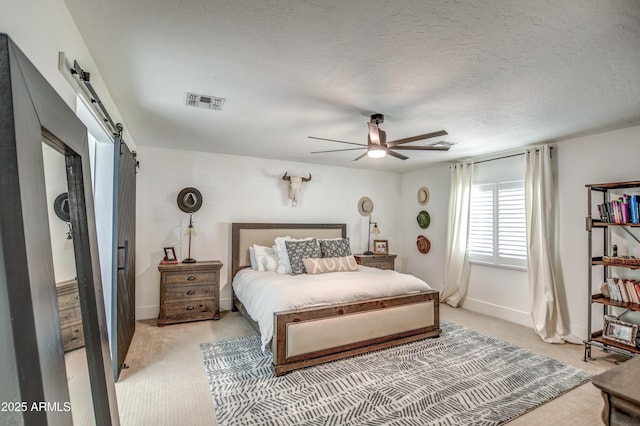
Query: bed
x,y
308,336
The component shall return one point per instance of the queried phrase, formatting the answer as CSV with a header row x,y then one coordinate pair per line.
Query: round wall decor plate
x,y
189,200
61,207
424,245
423,196
423,219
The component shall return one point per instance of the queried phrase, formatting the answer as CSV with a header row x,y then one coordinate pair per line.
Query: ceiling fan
x,y
378,147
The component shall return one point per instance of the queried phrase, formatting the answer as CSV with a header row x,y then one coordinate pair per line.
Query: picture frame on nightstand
x,y
380,246
170,255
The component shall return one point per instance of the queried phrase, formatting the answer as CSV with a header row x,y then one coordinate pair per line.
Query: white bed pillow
x,y
261,253
252,258
270,261
322,265
284,265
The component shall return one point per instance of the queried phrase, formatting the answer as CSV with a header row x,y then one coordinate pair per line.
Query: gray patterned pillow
x,y
299,250
335,248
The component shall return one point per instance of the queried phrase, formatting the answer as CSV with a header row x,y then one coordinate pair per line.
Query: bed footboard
x,y
315,335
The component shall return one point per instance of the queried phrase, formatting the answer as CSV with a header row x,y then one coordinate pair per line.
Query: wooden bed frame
x,y
312,336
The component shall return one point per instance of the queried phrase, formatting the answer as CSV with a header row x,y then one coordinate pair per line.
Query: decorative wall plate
x,y
189,200
61,207
424,245
423,196
423,219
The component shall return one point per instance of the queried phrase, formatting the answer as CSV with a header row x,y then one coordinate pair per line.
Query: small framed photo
x,y
620,331
170,254
380,246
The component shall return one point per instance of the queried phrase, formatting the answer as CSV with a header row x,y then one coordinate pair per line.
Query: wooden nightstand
x,y
380,261
70,317
189,292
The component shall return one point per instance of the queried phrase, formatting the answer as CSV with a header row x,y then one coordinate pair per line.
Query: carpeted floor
x,y
463,377
165,384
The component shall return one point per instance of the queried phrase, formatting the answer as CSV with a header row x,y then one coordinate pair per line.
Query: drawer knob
x,y
190,308
191,278
190,292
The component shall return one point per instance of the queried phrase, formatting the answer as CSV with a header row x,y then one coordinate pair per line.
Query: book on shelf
x,y
621,290
624,209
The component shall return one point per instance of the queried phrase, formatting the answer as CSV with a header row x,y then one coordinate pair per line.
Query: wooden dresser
x,y
380,261
70,317
621,393
189,292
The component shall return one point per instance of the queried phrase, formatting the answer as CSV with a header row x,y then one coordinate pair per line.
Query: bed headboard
x,y
243,235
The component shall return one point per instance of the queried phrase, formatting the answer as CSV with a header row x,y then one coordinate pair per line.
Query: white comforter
x,y
263,293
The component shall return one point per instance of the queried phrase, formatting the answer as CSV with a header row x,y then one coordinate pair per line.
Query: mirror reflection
x,y
67,286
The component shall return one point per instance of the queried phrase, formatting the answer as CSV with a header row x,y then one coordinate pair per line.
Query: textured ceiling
x,y
495,74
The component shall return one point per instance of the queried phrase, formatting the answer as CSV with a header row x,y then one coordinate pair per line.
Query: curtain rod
x,y
505,156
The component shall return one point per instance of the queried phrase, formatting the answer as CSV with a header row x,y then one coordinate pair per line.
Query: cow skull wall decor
x,y
295,183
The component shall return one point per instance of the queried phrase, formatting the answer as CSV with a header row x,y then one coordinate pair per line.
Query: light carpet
x,y
461,378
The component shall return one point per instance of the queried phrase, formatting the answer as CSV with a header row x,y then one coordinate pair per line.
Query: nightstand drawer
x,y
195,309
189,278
379,263
70,315
183,292
72,336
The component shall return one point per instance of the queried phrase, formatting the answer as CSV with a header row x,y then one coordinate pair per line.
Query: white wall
x,y
55,176
244,189
426,266
42,29
606,157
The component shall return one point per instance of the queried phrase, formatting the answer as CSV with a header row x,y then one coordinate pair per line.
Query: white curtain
x,y
548,301
456,265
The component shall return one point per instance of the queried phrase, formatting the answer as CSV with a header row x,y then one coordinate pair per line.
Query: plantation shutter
x,y
481,235
512,235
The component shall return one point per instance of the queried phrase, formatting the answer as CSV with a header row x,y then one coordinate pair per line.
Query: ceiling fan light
x,y
376,152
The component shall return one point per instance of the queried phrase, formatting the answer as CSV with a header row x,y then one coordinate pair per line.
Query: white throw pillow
x,y
260,253
252,258
270,263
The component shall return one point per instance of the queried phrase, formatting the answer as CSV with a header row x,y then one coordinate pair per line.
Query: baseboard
x,y
225,304
147,312
497,311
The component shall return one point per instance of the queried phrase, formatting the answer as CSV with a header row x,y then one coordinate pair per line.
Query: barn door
x,y
124,296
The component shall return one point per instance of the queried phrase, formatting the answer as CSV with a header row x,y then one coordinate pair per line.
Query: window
x,y
497,234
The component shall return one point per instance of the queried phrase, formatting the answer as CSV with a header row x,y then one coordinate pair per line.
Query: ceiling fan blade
x,y
336,150
395,154
374,134
417,138
333,140
359,157
422,148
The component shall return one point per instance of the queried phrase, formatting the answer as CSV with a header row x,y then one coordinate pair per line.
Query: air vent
x,y
205,101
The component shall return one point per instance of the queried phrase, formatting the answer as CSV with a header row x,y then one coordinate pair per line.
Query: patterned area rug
x,y
461,378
